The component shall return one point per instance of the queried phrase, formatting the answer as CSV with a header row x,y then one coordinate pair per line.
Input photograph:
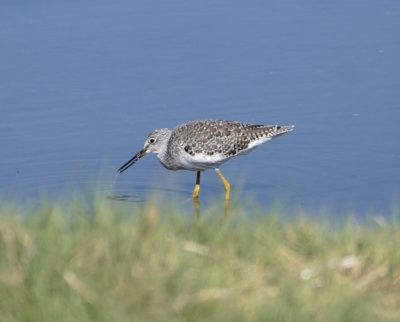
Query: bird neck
x,y
163,147
164,152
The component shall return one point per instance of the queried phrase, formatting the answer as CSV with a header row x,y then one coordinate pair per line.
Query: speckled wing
x,y
208,143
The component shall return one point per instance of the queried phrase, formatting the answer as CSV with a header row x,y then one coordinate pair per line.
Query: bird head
x,y
155,142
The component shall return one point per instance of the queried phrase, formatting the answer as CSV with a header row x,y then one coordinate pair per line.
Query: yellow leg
x,y
225,182
197,186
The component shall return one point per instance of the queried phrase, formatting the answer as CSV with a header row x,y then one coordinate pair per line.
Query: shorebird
x,y
205,144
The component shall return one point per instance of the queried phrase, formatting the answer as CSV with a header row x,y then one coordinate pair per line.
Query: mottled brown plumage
x,y
205,144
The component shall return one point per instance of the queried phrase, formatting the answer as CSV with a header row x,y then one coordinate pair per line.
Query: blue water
x,y
82,83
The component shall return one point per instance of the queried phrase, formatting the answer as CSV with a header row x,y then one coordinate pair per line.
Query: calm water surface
x,y
82,83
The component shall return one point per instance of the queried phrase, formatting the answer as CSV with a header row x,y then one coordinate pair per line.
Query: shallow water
x,y
84,82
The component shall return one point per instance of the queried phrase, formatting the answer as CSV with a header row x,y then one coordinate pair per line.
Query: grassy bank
x,y
112,263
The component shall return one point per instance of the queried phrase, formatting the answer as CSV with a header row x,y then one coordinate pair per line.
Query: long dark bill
x,y
132,161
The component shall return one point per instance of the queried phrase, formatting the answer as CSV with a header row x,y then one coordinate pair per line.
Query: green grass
x,y
108,262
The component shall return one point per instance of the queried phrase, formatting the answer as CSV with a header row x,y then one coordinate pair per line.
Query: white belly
x,y
199,162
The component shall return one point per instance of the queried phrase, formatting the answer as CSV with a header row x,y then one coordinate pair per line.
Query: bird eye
x,y
152,140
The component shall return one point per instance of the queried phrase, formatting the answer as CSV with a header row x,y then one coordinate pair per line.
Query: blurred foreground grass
x,y
114,263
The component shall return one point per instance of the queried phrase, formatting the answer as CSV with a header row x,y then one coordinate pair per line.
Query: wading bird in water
x,y
205,144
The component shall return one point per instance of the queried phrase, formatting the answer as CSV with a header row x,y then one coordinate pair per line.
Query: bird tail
x,y
283,129
274,131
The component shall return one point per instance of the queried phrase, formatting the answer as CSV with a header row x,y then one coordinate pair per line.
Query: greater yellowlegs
x,y
205,144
